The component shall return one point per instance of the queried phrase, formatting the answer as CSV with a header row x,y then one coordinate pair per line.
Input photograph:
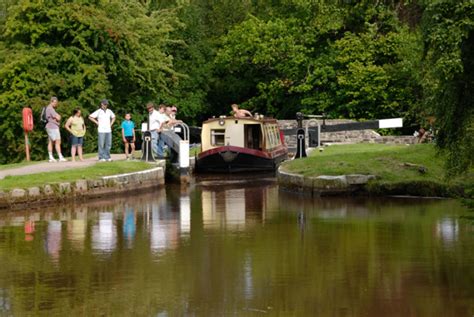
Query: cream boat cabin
x,y
232,144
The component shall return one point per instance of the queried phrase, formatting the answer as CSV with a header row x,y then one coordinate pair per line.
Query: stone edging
x,y
83,188
323,185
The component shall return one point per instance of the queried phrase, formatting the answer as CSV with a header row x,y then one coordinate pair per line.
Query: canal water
x,y
240,248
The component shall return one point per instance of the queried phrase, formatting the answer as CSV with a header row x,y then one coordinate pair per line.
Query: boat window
x,y
218,137
276,135
271,136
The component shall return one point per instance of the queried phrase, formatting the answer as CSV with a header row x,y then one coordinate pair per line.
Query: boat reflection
x,y
235,208
166,217
236,248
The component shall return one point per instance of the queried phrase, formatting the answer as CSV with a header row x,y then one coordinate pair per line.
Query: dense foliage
x,y
352,60
449,84
80,52
312,61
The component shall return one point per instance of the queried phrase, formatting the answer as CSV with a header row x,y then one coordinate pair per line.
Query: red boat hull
x,y
232,159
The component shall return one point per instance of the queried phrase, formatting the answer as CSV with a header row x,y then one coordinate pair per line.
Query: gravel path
x,y
53,167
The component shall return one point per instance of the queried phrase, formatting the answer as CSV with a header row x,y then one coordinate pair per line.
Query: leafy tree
x,y
308,60
448,29
80,51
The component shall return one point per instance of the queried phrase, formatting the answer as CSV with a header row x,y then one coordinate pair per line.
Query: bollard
x,y
300,137
147,151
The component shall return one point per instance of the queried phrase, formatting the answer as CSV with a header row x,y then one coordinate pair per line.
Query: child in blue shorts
x,y
128,135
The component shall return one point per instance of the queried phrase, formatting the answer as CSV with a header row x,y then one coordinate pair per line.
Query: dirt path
x,y
53,167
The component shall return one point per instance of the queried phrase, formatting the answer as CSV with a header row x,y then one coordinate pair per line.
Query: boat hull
x,y
230,159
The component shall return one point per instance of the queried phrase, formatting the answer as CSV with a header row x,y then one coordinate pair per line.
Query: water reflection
x,y
129,226
164,229
53,239
77,228
224,209
5,305
237,250
447,230
104,235
185,215
29,229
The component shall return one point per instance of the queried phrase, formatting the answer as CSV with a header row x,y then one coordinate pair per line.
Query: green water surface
x,y
238,248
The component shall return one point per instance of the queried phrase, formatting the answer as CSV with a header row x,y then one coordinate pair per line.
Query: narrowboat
x,y
249,144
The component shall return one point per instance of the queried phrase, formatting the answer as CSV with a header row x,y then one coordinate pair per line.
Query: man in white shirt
x,y
104,119
157,118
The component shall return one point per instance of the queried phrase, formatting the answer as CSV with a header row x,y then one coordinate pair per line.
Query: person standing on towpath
x,y
52,129
104,119
128,135
75,125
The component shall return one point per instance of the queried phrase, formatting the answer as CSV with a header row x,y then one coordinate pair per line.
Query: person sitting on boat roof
x,y
240,113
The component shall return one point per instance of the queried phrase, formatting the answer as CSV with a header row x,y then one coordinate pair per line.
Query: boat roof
x,y
263,120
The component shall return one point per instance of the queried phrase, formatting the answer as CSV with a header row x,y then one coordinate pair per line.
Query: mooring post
x,y
300,137
147,149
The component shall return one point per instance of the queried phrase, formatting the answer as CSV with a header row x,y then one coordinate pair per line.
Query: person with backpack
x,y
52,129
75,125
104,119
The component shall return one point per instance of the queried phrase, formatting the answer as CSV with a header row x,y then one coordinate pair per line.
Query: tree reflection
x,y
232,250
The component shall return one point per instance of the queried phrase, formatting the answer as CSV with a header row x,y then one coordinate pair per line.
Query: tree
x,y
348,61
449,79
81,52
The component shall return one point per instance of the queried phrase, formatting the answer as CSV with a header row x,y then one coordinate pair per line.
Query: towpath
x,y
43,167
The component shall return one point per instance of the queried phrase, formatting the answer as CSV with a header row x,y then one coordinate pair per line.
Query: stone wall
x,y
83,189
345,137
323,185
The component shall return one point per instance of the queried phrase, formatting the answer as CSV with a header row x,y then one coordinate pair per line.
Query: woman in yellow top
x,y
75,125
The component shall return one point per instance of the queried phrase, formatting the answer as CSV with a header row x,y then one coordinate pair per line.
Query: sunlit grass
x,y
70,175
387,162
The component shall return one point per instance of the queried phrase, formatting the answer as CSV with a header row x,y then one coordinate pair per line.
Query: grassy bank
x,y
400,169
70,175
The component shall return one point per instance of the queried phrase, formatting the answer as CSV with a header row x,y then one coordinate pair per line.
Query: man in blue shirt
x,y
128,135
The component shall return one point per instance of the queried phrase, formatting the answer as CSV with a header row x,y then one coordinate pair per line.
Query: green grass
x,y
384,161
91,172
194,151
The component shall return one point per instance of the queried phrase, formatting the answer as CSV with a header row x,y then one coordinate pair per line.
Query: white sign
x,y
391,123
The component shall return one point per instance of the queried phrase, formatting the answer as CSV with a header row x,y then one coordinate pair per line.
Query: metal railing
x,y
185,128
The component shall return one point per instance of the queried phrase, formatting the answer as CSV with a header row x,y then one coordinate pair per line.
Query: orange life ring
x,y
27,114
